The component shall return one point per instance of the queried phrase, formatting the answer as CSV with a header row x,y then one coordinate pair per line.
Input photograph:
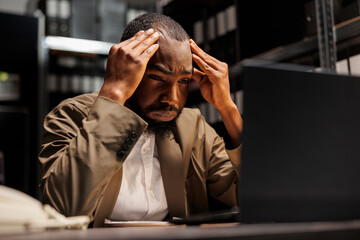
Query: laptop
x,y
301,145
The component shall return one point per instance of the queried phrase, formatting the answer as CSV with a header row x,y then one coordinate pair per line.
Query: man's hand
x,y
126,65
213,79
215,88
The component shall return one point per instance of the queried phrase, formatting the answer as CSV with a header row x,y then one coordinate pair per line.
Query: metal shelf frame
x,y
343,32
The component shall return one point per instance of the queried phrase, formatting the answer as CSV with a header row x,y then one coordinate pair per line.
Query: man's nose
x,y
170,96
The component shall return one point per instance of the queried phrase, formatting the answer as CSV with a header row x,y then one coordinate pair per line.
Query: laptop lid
x,y
301,145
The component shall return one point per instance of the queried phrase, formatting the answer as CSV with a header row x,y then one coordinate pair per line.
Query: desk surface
x,y
318,230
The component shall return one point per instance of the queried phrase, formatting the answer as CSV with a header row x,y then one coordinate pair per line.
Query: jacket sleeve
x,y
82,150
223,169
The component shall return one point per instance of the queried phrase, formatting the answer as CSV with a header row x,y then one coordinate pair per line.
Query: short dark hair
x,y
157,21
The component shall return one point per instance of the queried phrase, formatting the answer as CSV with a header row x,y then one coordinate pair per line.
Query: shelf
x,y
76,45
343,31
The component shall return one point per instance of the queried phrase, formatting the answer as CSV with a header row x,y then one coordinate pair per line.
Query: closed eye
x,y
157,78
184,81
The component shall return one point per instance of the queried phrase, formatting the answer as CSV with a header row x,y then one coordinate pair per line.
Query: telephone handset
x,y
20,212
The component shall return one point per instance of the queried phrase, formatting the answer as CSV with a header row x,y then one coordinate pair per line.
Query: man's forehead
x,y
172,55
166,41
165,70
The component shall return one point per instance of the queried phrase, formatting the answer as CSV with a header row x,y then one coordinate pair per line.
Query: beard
x,y
155,127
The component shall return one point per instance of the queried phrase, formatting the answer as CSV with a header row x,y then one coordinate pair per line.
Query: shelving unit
x,y
75,66
347,35
76,57
22,112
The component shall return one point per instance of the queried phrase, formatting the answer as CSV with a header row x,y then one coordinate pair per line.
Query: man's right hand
x,y
126,65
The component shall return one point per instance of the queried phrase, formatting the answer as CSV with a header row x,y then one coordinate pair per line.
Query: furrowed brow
x,y
166,71
187,72
159,68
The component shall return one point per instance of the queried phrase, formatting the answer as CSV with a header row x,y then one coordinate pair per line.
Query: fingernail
x,y
150,30
156,34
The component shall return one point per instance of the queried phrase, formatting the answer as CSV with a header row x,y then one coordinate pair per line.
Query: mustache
x,y
164,107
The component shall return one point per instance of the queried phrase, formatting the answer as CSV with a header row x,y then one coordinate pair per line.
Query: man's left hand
x,y
213,78
215,88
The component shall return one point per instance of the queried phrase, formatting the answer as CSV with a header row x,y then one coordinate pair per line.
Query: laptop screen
x,y
301,145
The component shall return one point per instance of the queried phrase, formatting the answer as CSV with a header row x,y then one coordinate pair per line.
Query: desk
x,y
288,231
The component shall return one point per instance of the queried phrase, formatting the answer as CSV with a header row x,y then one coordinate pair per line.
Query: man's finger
x,y
150,51
198,75
206,68
139,39
201,52
122,44
146,43
211,61
127,41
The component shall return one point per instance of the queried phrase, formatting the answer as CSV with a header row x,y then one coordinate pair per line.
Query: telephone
x,y
20,212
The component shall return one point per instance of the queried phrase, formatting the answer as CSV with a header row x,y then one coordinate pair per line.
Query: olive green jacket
x,y
87,139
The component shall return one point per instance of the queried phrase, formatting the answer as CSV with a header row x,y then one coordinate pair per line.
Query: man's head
x,y
158,22
162,93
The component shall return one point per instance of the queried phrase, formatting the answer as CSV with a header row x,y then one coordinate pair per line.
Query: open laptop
x,y
301,145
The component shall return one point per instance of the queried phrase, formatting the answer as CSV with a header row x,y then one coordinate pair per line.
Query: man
x,y
132,151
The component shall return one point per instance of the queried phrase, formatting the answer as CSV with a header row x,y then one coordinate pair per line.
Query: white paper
x,y
109,223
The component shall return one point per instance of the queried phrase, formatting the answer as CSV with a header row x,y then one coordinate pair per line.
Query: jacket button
x,y
128,141
133,135
120,154
125,147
